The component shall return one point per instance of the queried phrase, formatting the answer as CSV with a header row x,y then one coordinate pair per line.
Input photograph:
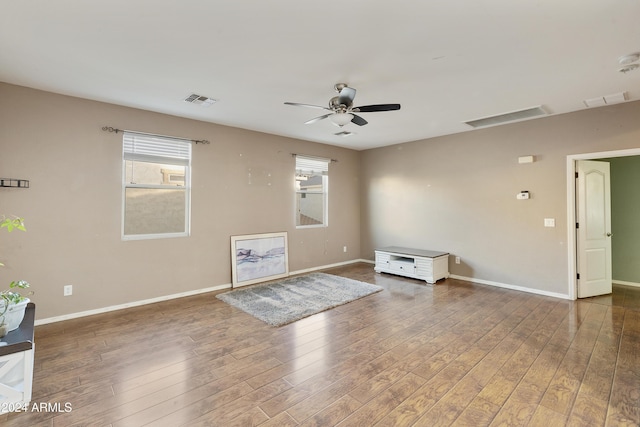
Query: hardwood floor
x,y
455,353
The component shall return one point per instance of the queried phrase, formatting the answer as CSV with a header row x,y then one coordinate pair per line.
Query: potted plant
x,y
12,303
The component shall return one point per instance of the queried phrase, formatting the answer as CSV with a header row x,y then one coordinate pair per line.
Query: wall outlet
x,y
344,249
457,260
68,290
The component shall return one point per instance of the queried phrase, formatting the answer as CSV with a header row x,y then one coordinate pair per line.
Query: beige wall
x,y
243,183
454,193
458,194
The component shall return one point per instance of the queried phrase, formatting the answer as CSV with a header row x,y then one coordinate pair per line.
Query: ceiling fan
x,y
341,109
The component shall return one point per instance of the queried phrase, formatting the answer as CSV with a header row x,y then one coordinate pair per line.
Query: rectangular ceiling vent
x,y
344,133
600,101
513,116
205,101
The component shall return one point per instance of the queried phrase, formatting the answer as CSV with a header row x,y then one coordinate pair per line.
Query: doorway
x,y
571,209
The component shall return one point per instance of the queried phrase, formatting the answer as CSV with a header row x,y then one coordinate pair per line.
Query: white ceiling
x,y
445,61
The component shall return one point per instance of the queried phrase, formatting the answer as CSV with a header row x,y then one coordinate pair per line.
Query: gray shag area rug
x,y
292,299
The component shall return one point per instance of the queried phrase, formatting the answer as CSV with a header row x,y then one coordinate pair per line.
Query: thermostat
x,y
523,195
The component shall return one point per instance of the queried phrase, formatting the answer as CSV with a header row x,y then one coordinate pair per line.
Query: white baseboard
x,y
513,287
170,297
621,282
129,305
323,267
303,271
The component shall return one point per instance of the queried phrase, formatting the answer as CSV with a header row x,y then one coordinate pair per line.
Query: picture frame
x,y
258,258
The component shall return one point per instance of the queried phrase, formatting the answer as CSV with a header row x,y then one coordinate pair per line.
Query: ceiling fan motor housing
x,y
339,86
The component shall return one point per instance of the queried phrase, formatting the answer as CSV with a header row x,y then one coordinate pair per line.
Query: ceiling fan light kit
x,y
628,62
341,109
341,119
628,59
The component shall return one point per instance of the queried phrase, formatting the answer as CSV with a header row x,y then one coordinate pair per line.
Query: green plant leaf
x,y
22,284
11,223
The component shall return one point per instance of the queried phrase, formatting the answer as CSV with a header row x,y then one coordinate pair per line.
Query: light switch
x,y
549,222
525,159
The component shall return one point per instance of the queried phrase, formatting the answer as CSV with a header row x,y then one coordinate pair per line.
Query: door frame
x,y
571,209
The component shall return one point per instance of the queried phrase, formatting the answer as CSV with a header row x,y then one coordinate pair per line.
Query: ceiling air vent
x,y
205,101
514,116
614,98
344,133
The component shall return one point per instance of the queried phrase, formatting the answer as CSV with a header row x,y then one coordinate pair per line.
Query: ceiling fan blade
x,y
306,105
308,122
374,108
358,120
346,96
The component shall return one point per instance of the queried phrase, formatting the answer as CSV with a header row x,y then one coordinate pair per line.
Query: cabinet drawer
x,y
405,266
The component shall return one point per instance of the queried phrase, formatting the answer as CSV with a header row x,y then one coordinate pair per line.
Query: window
x,y
156,186
312,182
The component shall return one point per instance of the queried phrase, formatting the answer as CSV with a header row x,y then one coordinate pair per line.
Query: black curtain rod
x,y
116,130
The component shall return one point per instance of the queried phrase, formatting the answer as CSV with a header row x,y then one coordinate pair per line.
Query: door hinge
x,y
577,225
576,174
578,276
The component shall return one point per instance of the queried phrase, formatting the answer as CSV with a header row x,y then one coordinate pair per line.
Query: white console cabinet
x,y
16,364
429,266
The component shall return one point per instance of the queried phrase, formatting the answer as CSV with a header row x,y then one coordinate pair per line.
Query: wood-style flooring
x,y
454,353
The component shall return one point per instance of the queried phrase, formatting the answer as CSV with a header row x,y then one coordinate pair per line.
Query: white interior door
x,y
593,204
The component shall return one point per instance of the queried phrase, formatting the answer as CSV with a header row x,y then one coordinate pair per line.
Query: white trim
x,y
621,282
512,287
302,227
130,237
572,283
291,273
129,305
323,267
173,296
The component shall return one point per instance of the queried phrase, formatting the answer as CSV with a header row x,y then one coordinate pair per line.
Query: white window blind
x,y
312,165
156,149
